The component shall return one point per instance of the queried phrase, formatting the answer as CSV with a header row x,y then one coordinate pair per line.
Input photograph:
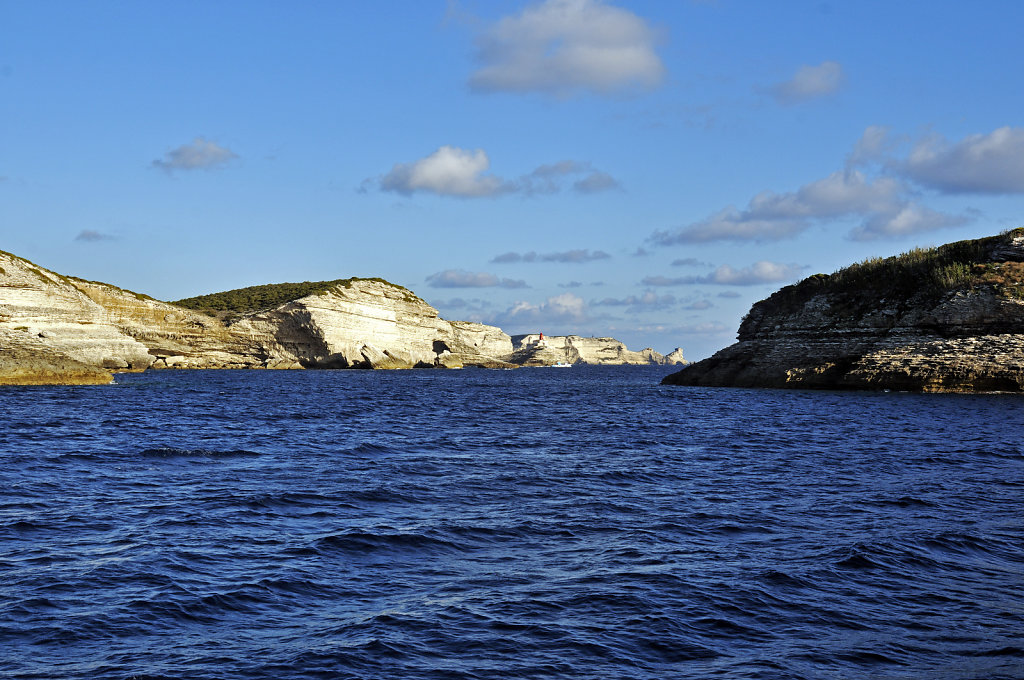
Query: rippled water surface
x,y
538,523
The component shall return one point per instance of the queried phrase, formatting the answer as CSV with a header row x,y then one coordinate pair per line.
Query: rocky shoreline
x,y
56,329
949,319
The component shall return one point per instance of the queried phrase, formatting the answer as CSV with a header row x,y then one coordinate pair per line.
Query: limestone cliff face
x,y
52,324
533,350
948,319
369,324
57,329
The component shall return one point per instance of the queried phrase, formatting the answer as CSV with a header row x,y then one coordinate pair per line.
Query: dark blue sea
x,y
538,523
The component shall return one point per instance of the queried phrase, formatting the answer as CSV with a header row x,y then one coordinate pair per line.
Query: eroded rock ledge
x,y
948,319
56,329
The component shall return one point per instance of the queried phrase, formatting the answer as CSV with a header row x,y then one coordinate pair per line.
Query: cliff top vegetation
x,y
919,276
268,296
48,277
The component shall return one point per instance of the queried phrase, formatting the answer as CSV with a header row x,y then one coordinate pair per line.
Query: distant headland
x,y
57,329
946,319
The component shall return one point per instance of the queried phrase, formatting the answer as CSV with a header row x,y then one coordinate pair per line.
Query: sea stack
x,y
946,319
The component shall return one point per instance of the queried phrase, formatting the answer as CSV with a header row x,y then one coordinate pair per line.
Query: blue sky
x,y
645,170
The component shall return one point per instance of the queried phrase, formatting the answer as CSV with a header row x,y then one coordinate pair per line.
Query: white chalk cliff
x,y
56,329
538,350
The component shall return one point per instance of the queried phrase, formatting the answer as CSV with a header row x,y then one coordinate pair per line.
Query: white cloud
x,y
703,328
876,186
983,164
756,274
577,256
566,309
452,171
731,224
449,171
810,82
562,47
457,278
843,194
725,275
911,219
201,154
772,217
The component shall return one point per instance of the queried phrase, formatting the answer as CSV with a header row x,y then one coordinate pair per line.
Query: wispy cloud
x,y
880,188
200,154
756,274
911,219
873,146
457,278
462,173
566,311
772,217
646,301
809,82
992,163
688,262
578,256
93,236
596,182
467,309
564,47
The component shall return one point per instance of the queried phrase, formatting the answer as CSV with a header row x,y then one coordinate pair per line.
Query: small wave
x,y
368,449
175,452
998,651
781,578
904,502
23,526
361,542
860,557
730,528
864,657
286,499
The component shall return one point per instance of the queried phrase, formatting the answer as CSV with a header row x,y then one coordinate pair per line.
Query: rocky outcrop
x,y
66,330
547,350
56,329
944,319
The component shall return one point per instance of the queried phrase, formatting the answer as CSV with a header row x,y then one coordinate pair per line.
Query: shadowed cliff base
x,y
946,319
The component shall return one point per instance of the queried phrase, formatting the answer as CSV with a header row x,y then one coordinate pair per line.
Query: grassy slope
x,y
922,275
268,296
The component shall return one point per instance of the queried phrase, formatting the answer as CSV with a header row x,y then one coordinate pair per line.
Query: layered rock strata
x,y
946,319
56,329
